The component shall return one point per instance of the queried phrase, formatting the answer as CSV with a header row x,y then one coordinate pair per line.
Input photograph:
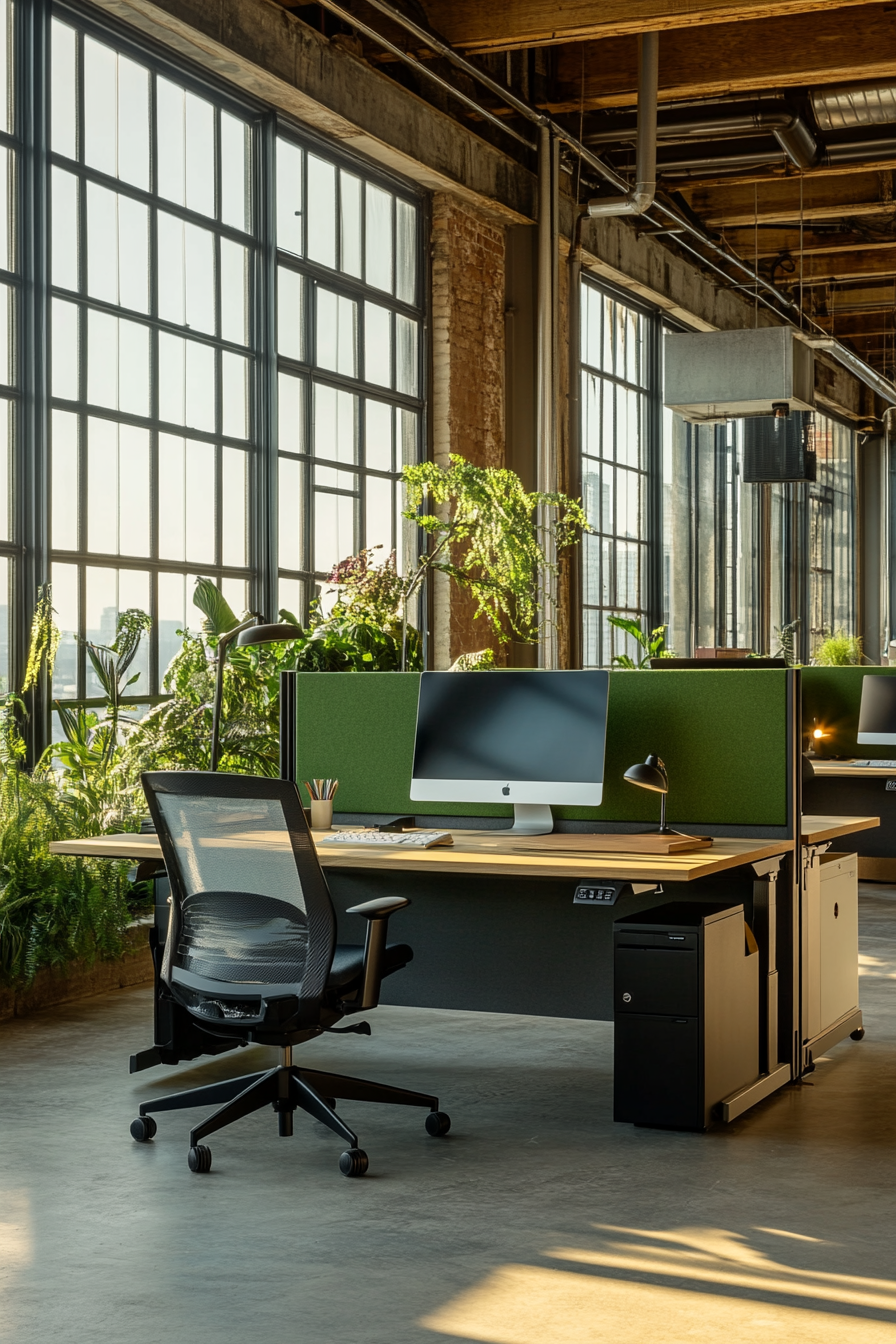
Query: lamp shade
x,y
651,774
269,634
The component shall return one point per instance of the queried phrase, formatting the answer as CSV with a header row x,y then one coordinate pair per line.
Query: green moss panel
x,y
831,700
721,734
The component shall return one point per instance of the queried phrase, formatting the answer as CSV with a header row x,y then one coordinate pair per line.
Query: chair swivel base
x,y
287,1088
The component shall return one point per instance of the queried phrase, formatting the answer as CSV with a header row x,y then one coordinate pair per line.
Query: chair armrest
x,y
377,914
381,908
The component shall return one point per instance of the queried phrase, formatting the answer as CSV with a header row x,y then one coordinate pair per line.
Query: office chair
x,y
251,953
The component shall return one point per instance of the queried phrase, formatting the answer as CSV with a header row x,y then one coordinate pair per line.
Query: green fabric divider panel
x,y
722,735
832,697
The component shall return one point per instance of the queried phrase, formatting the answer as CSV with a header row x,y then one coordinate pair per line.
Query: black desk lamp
x,y
652,775
251,631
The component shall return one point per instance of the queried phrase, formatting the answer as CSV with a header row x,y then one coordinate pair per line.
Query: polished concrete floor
x,y
537,1221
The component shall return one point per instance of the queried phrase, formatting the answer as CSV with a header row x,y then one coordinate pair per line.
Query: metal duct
x,y
855,364
640,197
860,105
789,129
860,151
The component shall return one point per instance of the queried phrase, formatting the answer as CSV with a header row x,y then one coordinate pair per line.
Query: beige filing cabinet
x,y
830,950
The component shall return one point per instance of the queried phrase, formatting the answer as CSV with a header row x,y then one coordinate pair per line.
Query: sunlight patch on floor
x,y
658,1300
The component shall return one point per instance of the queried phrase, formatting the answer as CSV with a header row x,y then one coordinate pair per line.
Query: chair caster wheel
x,y
437,1123
143,1129
199,1158
857,1034
810,1067
353,1162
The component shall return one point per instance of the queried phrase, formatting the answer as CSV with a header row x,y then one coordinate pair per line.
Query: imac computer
x,y
526,738
877,712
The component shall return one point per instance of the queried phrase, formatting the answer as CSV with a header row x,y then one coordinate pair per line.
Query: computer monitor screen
x,y
877,712
516,737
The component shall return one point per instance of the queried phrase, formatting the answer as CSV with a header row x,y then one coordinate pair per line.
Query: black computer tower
x,y
686,1000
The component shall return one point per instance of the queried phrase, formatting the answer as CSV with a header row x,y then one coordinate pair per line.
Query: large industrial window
x,y
211,280
619,452
742,561
832,525
349,341
10,159
153,255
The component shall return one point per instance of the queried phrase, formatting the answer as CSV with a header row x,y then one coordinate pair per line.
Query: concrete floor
x,y
537,1221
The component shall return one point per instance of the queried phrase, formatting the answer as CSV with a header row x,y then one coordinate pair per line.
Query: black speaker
x,y
777,448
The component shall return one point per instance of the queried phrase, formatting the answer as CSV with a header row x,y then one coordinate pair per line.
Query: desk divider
x,y
831,699
724,736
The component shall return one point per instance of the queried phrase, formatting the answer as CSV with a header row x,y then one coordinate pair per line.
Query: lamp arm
x,y
223,642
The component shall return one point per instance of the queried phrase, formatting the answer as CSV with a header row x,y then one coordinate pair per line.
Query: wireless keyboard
x,y
881,765
389,839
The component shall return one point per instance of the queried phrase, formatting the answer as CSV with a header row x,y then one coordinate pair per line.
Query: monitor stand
x,y
530,819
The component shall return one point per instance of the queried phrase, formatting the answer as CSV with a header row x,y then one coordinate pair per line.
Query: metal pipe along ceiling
x,y
777,301
641,195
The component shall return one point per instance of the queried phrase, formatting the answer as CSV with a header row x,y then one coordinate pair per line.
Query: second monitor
x,y
528,738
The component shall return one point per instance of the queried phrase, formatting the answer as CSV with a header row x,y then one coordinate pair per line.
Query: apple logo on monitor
x,y
506,789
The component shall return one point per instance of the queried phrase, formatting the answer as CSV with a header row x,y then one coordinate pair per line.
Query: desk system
x,y
831,699
535,951
493,922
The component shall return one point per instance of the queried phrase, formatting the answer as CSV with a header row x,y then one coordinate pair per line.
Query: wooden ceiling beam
x,y
880,324
829,47
775,242
851,266
836,198
505,25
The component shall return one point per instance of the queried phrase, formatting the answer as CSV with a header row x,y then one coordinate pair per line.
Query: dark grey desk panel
x,y
508,946
848,796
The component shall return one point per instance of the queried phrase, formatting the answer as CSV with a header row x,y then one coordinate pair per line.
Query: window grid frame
x,y
309,373
649,472
154,564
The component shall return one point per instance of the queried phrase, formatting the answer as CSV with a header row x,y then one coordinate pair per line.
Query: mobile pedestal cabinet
x,y
686,999
830,947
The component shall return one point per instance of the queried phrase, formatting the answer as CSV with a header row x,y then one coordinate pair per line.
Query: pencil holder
x,y
321,814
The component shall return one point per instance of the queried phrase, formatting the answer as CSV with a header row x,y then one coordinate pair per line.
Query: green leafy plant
x,y
787,640
840,650
481,661
366,630
492,537
176,735
54,908
653,643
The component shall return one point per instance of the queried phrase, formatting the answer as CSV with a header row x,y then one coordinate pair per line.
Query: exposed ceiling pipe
x,y
793,134
775,303
641,196
860,151
856,365
718,163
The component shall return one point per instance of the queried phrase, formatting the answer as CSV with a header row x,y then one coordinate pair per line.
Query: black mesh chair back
x,y
251,915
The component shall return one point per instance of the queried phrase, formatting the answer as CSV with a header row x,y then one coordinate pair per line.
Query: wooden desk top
x,y
485,853
815,830
825,769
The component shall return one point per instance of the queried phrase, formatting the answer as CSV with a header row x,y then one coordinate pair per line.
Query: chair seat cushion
x,y
348,963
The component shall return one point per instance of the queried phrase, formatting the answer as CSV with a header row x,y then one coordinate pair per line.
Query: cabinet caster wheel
x,y
437,1123
143,1129
200,1158
353,1162
857,1034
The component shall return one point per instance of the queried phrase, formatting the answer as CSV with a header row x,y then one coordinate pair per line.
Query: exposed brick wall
x,y
468,379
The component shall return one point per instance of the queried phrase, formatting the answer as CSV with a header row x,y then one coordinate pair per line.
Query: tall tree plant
x,y
483,531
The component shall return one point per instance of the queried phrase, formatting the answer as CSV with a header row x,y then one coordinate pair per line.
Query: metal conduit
x,y
856,365
641,196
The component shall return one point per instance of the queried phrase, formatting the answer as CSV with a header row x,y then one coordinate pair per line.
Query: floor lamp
x,y
250,631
